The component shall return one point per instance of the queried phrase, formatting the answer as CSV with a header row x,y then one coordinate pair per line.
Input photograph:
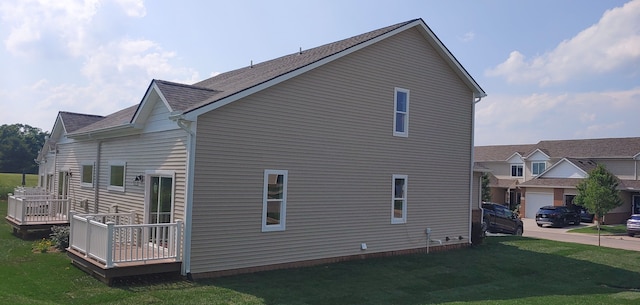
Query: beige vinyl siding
x,y
332,129
624,169
145,152
158,118
70,157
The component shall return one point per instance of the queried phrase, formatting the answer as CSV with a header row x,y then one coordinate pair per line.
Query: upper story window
x,y
537,168
516,170
117,174
399,200
86,179
274,200
401,113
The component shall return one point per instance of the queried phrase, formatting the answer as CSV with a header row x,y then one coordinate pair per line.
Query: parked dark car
x,y
499,219
557,216
633,225
585,216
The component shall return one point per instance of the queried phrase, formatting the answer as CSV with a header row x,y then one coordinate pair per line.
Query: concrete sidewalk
x,y
531,229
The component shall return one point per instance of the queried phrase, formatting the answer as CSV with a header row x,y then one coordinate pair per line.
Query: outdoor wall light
x,y
137,180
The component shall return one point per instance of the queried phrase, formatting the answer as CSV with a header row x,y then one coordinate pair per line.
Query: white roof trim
x,y
515,154
153,87
535,151
478,92
557,164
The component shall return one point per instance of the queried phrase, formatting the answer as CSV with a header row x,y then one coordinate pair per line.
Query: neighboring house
x,y
347,150
546,173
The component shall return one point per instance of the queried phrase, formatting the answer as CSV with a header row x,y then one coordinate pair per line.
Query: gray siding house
x,y
530,176
348,150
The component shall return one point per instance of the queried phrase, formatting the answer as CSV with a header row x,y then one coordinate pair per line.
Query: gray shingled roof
x,y
235,81
119,118
589,148
586,165
499,152
185,98
579,149
548,182
182,97
74,121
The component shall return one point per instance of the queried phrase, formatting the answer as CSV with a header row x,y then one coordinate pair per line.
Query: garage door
x,y
535,201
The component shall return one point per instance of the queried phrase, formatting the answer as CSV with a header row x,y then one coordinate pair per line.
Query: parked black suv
x,y
499,219
557,216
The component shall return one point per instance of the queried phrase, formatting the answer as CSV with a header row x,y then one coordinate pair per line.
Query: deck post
x,y
178,239
88,237
70,218
109,254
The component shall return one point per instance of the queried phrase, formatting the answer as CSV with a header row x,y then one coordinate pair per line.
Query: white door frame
x,y
147,193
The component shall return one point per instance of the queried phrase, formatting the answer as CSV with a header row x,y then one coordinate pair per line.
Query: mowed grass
x,y
619,229
503,270
8,183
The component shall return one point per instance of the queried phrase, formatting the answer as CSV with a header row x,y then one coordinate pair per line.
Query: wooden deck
x,y
130,263
34,223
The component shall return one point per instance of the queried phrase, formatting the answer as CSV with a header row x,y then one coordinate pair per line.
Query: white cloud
x,y
114,72
611,44
37,24
468,36
535,117
133,8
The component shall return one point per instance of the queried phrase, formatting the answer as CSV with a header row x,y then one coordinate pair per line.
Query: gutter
x,y
189,127
475,99
96,179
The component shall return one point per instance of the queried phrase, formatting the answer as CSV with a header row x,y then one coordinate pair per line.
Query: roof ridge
x,y
170,83
83,114
383,30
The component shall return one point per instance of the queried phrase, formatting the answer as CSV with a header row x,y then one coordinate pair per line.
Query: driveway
x,y
561,234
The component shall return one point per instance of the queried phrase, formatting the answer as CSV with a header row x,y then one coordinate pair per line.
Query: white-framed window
x,y
399,199
516,170
401,113
537,168
117,174
86,174
274,200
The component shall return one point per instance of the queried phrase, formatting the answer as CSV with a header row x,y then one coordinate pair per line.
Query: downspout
x,y
473,114
190,128
96,187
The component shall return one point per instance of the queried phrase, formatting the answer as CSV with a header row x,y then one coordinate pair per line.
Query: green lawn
x,y
9,181
620,229
504,270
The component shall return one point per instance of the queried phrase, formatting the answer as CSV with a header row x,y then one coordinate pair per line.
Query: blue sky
x,y
552,69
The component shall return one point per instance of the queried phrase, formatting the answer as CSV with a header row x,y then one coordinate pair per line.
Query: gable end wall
x,y
331,128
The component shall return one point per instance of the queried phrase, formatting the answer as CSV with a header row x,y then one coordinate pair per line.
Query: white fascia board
x,y
537,150
478,92
111,132
563,160
453,62
146,105
515,155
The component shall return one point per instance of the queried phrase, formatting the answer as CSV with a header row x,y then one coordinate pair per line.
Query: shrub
x,y
42,245
60,237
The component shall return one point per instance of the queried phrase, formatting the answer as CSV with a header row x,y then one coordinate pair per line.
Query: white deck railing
x,y
38,209
22,191
113,239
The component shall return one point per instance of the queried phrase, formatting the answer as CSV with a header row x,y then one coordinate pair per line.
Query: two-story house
x,y
322,155
533,175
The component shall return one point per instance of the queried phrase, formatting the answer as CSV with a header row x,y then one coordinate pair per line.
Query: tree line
x,y
19,147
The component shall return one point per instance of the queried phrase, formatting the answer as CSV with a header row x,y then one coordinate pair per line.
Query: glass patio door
x,y
160,207
63,184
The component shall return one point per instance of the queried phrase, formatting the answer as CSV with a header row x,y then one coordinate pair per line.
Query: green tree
x,y
486,191
598,193
19,147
